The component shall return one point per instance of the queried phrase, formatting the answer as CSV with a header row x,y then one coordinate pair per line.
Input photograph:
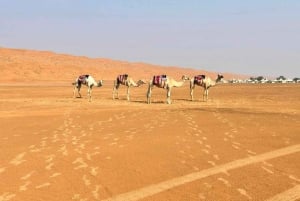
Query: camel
x,y
165,82
205,82
126,81
87,80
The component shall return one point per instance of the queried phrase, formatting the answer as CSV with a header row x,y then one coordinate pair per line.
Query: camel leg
x,y
149,93
169,95
192,87
90,93
115,89
78,90
205,94
74,91
128,93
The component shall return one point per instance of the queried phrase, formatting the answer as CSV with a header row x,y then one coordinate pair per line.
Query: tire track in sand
x,y
288,195
169,184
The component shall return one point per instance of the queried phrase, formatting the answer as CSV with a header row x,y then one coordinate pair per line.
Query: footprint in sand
x,y
2,169
63,150
86,181
244,193
35,150
94,171
267,170
27,176
88,156
205,151
294,178
208,146
49,166
251,152
216,156
49,158
235,146
18,159
55,175
212,163
95,192
267,164
24,187
43,185
81,163
224,181
7,196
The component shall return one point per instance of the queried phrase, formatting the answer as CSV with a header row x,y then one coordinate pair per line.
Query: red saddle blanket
x,y
160,80
122,78
199,78
82,79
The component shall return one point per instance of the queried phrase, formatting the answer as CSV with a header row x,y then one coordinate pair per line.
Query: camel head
x,y
184,78
100,83
141,82
219,78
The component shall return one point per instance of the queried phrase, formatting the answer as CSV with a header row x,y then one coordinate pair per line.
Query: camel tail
x,y
73,83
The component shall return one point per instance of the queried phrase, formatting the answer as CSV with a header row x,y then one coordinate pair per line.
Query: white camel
x,y
205,82
165,82
87,80
126,81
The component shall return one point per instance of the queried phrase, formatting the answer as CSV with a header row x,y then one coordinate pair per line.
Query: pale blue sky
x,y
256,37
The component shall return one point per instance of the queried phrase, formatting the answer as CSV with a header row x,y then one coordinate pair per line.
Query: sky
x,y
252,37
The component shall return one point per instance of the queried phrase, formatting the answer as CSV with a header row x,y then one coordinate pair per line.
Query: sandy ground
x,y
243,144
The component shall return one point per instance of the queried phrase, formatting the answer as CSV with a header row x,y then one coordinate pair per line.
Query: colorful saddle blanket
x,y
122,78
160,80
198,79
82,79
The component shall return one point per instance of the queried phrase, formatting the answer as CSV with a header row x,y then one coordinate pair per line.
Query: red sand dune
x,y
29,65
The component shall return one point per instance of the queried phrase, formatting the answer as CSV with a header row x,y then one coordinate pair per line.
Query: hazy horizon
x,y
252,38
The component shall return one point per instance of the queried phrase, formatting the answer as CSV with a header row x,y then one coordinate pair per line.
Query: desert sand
x,y
242,144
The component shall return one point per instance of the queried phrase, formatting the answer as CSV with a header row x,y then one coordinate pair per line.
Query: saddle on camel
x,y
160,81
198,79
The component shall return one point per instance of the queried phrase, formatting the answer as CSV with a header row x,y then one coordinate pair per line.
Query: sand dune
x,y
28,65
